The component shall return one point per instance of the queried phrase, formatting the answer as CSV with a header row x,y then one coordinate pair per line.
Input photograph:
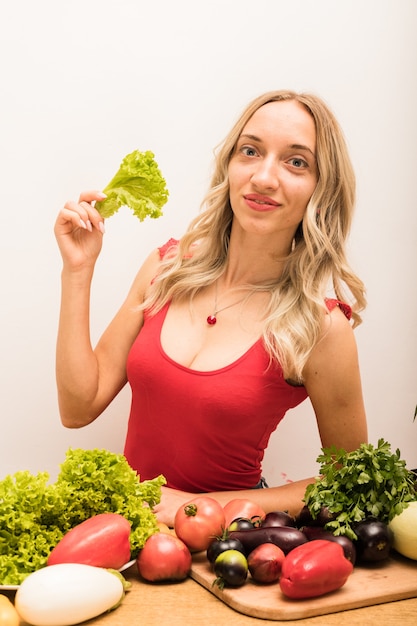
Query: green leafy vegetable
x,y
139,185
369,481
34,514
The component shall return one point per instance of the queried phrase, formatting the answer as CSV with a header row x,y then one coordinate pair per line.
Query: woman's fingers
x,y
79,231
91,196
82,213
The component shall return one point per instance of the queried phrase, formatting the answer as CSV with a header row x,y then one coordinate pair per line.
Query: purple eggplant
x,y
285,537
305,518
374,540
278,518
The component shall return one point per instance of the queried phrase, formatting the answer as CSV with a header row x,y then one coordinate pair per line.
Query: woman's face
x,y
273,170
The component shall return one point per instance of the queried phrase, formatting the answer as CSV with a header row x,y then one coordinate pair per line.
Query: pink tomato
x,y
242,507
199,521
164,557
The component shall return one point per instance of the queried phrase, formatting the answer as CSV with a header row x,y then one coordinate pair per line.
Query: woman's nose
x,y
266,174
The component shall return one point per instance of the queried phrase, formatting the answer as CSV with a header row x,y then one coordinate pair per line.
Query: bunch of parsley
x,y
35,514
367,482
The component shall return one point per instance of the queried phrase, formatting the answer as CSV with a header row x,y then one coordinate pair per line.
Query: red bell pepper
x,y
102,540
313,569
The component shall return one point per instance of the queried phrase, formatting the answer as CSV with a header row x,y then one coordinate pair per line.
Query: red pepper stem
x,y
190,510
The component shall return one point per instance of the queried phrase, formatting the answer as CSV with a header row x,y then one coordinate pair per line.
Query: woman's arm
x,y
333,383
288,497
88,379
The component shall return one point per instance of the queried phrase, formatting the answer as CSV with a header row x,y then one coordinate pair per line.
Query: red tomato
x,y
164,557
199,521
242,507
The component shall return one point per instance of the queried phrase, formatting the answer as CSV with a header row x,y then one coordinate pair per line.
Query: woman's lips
x,y
260,203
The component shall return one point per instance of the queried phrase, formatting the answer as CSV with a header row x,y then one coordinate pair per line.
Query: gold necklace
x,y
212,319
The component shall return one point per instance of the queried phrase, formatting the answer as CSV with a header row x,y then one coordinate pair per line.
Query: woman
x,y
223,332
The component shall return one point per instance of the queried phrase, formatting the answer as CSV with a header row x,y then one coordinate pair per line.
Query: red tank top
x,y
204,431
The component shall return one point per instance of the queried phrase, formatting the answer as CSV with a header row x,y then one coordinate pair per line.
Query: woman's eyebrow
x,y
294,146
299,146
249,136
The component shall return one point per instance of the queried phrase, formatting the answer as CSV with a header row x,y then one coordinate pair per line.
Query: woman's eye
x,y
248,151
298,162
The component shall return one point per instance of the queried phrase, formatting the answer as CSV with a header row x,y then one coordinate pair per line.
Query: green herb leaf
x,y
369,481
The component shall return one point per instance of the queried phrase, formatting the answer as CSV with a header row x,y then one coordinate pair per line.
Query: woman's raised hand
x,y
79,231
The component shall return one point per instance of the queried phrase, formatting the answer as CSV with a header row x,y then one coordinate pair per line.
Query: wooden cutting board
x,y
396,579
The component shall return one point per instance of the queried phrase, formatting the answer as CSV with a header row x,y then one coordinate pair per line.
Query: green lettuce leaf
x,y
139,185
98,481
34,514
25,541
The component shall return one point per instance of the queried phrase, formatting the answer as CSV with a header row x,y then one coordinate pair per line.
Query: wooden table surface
x,y
187,602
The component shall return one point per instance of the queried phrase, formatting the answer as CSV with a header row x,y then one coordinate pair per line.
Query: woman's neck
x,y
250,261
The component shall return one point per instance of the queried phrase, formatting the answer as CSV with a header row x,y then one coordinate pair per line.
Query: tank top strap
x,y
332,303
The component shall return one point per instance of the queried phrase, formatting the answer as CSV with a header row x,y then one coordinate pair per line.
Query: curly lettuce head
x,y
35,514
139,185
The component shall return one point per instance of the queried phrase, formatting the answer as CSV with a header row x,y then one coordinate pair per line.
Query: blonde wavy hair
x,y
316,264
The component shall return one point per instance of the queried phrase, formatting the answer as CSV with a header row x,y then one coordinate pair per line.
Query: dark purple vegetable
x,y
285,537
374,540
241,523
220,545
315,532
231,569
305,518
278,518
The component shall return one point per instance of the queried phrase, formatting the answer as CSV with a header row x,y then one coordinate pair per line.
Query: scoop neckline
x,y
218,370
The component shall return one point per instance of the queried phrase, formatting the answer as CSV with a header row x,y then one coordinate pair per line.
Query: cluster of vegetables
x,y
363,504
241,541
84,526
36,513
271,549
350,516
81,579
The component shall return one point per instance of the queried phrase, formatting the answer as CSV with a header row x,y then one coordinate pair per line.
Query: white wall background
x,y
85,82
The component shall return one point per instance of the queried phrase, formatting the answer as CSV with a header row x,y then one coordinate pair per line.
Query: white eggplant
x,y
67,594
